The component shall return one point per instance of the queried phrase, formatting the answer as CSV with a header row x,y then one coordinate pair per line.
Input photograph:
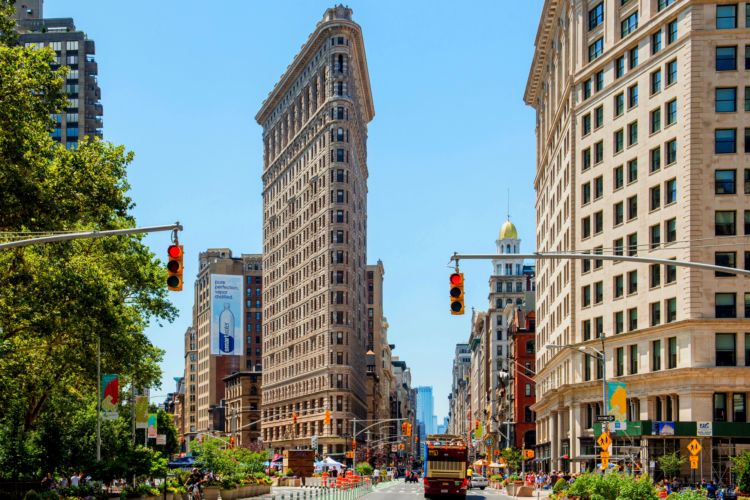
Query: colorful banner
x,y
110,396
618,400
227,317
141,412
152,425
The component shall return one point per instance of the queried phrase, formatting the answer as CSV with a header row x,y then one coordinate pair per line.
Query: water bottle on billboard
x,y
226,330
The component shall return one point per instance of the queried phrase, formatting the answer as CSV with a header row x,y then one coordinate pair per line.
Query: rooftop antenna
x,y
508,203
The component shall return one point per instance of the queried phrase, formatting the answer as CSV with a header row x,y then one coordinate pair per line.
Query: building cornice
x,y
542,42
300,60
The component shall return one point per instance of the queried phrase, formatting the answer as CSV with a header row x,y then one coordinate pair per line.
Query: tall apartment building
x,y
226,335
315,238
378,356
83,113
510,282
642,146
458,406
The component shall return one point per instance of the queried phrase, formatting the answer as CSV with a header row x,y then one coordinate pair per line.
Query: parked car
x,y
478,482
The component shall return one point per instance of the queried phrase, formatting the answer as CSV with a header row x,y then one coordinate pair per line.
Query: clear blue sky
x,y
182,81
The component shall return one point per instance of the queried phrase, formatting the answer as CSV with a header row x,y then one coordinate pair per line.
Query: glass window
x,y
619,104
620,363
747,222
619,66
599,117
598,152
633,355
618,177
617,246
587,89
726,349
663,4
747,181
586,326
632,133
726,99
618,217
596,49
725,223
656,42
632,207
630,24
599,80
585,193
671,151
656,81
619,322
726,17
672,354
672,32
655,197
720,407
747,50
747,140
586,227
598,187
656,355
725,181
726,305
725,140
619,286
632,282
726,58
586,296
654,275
586,159
671,112
632,170
655,120
586,124
633,57
598,292
739,412
632,319
655,308
598,222
671,309
596,15
633,96
619,142
725,259
670,191
671,72
671,230
655,236
747,348
655,159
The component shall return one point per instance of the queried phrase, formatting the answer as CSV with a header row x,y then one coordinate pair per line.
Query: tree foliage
x,y
612,486
671,464
57,301
513,458
741,467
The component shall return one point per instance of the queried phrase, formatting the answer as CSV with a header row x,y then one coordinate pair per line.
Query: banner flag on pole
x,y
618,400
152,425
110,396
141,412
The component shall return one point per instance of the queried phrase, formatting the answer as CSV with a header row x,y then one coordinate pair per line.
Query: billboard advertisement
x,y
227,316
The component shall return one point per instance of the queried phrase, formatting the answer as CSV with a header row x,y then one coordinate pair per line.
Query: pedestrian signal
x,y
175,254
457,293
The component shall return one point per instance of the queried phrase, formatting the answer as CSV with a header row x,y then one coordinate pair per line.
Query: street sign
x,y
488,441
528,453
605,459
314,442
694,447
705,429
604,441
605,418
604,454
694,461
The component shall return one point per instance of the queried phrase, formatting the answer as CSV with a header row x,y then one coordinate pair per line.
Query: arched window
x,y
528,415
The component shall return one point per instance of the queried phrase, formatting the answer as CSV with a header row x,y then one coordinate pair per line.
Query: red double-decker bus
x,y
445,461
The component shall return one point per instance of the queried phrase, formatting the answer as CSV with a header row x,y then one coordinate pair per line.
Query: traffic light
x,y
457,293
175,254
403,428
327,417
294,417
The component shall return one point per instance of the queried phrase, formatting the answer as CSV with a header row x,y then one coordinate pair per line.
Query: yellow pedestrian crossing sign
x,y
604,441
694,447
694,461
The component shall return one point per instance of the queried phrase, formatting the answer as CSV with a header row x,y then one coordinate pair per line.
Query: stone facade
x,y
639,150
242,402
315,238
205,389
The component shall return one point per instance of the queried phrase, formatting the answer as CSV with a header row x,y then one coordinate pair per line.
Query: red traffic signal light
x,y
175,254
457,293
327,418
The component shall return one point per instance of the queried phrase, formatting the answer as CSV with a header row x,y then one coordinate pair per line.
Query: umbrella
x,y
494,465
480,463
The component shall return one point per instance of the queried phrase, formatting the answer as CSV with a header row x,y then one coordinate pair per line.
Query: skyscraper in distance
x,y
314,233
425,410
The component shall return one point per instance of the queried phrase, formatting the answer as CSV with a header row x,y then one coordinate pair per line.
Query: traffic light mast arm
x,y
89,234
378,422
597,256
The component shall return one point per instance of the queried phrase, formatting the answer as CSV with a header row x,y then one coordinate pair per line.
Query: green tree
x,y
513,458
671,464
364,469
741,467
59,300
